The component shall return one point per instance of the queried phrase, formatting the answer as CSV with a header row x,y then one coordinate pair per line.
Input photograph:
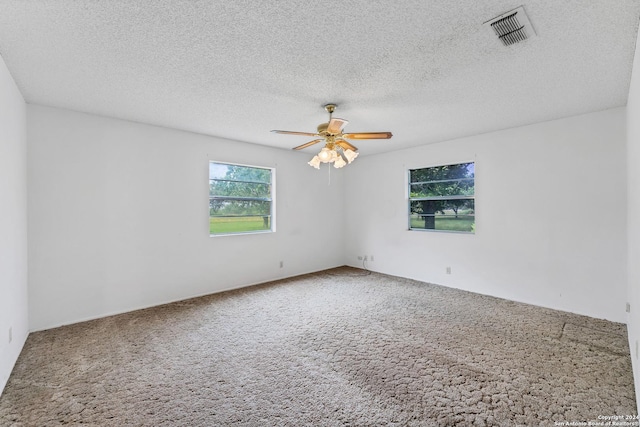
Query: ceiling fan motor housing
x,y
322,127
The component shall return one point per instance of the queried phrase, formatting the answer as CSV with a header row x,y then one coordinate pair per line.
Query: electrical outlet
x,y
448,270
628,308
371,257
281,264
359,258
10,334
365,258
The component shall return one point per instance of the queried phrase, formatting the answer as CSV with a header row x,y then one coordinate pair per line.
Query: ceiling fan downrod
x,y
330,109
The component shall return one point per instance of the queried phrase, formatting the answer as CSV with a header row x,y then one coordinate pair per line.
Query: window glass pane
x,y
459,187
239,189
437,173
238,173
445,215
461,170
461,223
226,225
226,207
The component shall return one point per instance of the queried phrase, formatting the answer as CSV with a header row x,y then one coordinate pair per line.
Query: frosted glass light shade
x,y
350,155
315,162
325,155
339,162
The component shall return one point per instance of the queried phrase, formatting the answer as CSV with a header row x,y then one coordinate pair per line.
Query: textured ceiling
x,y
428,71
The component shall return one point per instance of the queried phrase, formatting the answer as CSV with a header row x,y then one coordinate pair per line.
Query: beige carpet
x,y
337,348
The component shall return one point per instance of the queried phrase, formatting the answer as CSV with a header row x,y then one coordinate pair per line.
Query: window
x,y
240,199
442,198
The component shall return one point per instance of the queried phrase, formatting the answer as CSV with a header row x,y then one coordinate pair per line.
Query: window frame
x,y
271,199
410,199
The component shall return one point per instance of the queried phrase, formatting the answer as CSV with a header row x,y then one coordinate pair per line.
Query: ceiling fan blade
x,y
368,135
344,144
308,144
336,125
288,132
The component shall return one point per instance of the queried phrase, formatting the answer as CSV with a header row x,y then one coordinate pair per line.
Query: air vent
x,y
511,27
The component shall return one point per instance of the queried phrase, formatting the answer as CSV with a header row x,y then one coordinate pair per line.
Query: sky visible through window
x,y
217,170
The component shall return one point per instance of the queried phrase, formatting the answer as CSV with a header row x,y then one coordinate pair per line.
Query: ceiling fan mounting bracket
x,y
330,108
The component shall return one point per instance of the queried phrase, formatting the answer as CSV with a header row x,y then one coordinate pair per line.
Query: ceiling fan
x,y
337,149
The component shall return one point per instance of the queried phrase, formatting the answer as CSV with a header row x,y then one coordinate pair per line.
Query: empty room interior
x,y
419,213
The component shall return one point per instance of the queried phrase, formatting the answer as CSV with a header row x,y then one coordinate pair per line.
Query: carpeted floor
x,y
337,348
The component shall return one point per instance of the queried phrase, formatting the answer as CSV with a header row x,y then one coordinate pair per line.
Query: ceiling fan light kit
x,y
333,154
337,149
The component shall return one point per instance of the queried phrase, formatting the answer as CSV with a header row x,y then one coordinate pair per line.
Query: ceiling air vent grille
x,y
512,27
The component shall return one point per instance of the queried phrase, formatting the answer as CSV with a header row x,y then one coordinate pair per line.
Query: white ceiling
x,y
428,71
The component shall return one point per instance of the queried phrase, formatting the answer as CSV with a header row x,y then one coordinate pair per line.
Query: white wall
x,y
119,217
633,216
13,224
550,224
